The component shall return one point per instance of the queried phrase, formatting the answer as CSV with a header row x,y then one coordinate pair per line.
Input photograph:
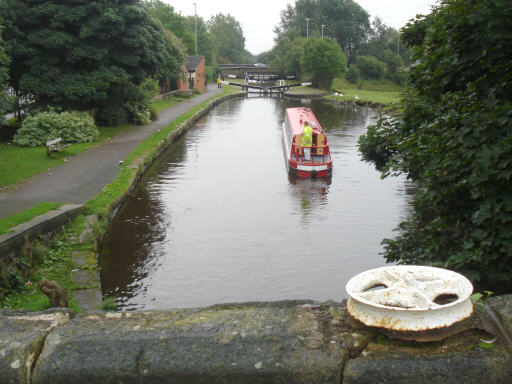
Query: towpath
x,y
83,176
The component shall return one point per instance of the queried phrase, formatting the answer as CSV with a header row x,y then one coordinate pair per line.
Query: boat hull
x,y
316,169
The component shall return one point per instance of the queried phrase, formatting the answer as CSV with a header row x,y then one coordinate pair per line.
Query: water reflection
x,y
310,194
217,219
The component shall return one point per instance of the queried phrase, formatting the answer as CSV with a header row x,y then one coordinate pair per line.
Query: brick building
x,y
193,75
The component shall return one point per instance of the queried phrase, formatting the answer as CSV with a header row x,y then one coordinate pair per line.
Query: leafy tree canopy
x,y
289,59
344,20
454,138
4,75
371,67
228,38
184,29
204,39
70,54
323,60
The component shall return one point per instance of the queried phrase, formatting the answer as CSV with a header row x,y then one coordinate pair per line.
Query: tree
x,y
345,21
174,56
184,29
228,38
370,67
323,59
174,22
72,54
384,44
4,75
289,59
454,139
204,39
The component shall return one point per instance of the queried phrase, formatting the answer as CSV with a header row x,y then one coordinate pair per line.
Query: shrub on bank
x,y
128,102
8,130
370,67
72,127
352,74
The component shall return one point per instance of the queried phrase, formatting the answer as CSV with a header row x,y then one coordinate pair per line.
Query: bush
x,y
72,127
370,67
8,130
211,73
111,115
138,113
128,103
453,138
352,74
153,114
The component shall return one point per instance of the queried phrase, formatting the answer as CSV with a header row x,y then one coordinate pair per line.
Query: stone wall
x,y
16,247
281,342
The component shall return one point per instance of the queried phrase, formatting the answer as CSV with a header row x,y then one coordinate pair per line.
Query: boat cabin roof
x,y
297,116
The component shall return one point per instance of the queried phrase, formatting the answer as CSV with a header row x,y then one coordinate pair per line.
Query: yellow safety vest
x,y
307,136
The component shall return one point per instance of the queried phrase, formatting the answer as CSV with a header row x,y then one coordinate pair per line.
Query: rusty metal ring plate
x,y
409,297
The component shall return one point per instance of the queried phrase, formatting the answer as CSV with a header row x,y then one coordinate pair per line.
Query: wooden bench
x,y
55,146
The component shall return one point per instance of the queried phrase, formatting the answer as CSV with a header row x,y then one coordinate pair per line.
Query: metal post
x,y
195,23
323,30
307,26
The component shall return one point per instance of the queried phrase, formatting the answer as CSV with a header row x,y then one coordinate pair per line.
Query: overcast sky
x,y
259,17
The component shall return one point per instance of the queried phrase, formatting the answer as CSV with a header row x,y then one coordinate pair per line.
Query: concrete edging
x,y
45,225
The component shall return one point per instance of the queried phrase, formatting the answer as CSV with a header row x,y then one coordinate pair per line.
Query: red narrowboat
x,y
305,145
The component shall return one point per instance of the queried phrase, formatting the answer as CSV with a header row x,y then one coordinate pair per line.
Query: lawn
x,y
161,105
381,97
306,90
27,215
372,91
19,163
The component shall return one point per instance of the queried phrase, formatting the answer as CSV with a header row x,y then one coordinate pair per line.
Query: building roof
x,y
192,62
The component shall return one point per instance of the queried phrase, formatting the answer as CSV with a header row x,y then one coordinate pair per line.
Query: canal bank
x,y
76,246
279,342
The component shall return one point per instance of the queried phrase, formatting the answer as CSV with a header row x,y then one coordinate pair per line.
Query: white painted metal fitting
x,y
409,298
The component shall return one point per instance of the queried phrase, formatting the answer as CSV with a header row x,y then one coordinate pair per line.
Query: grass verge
x,y
53,262
383,92
306,90
163,104
380,97
25,216
19,163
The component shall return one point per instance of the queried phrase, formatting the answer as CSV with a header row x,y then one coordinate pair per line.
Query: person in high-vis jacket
x,y
307,141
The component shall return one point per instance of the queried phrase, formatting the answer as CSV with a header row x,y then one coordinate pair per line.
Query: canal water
x,y
217,219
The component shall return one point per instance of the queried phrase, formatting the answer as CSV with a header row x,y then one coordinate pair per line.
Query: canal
x,y
216,219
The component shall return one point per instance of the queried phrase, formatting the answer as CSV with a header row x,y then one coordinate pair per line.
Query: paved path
x,y
83,176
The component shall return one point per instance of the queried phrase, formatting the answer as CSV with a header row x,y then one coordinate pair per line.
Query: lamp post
x,y
323,30
307,26
195,23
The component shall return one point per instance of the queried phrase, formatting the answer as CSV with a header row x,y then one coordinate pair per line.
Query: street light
x,y
307,26
195,23
323,30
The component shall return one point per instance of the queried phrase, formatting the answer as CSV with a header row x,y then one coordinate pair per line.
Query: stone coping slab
x,y
22,335
255,343
278,342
